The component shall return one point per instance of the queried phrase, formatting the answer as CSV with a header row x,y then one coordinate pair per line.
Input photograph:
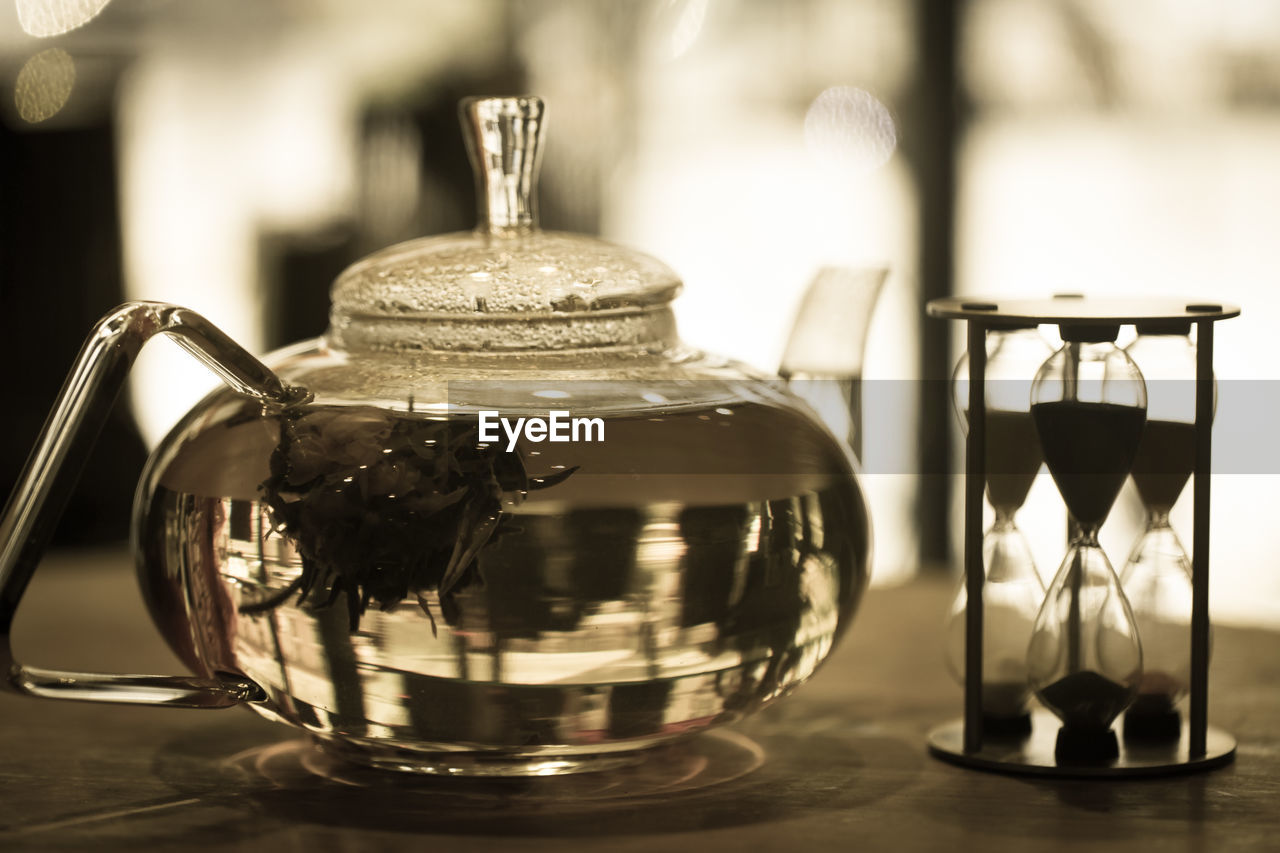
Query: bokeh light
x,y
45,18
678,23
44,84
850,129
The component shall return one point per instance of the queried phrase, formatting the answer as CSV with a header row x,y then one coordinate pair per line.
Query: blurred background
x,y
233,156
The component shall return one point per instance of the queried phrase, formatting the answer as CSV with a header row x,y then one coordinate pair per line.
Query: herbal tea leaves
x,y
382,505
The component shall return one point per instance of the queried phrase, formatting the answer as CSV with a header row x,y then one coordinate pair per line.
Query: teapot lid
x,y
446,291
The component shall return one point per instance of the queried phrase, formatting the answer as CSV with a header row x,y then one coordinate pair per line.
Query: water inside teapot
x,y
650,589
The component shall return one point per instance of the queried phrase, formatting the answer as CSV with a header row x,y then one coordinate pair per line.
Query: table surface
x,y
844,761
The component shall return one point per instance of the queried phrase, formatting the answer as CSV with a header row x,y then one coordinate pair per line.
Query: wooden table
x,y
844,764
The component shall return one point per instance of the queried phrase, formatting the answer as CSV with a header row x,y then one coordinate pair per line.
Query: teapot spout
x,y
822,362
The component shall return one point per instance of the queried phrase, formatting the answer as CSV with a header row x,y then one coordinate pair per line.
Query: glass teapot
x,y
497,520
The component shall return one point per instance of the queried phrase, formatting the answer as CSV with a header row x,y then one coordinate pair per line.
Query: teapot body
x,y
418,596
498,520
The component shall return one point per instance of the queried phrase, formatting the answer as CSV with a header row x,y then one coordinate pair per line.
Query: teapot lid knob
x,y
504,142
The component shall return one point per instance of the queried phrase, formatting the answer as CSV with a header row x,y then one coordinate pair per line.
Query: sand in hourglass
x,y
1166,455
1089,448
1155,694
1082,699
1013,457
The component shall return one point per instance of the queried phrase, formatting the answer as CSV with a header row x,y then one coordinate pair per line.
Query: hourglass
x,y
1084,661
1084,658
1012,591
1157,576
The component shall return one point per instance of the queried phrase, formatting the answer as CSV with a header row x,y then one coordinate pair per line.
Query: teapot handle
x,y
51,472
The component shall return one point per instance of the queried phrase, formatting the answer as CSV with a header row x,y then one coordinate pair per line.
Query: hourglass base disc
x,y
1034,754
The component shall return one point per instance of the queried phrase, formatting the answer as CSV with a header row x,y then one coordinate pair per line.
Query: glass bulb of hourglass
x,y
1012,590
1157,580
1157,576
1011,597
1085,658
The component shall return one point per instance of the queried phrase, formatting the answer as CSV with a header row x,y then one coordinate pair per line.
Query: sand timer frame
x,y
962,741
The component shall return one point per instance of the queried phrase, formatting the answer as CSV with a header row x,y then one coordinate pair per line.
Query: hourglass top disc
x,y
1073,308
